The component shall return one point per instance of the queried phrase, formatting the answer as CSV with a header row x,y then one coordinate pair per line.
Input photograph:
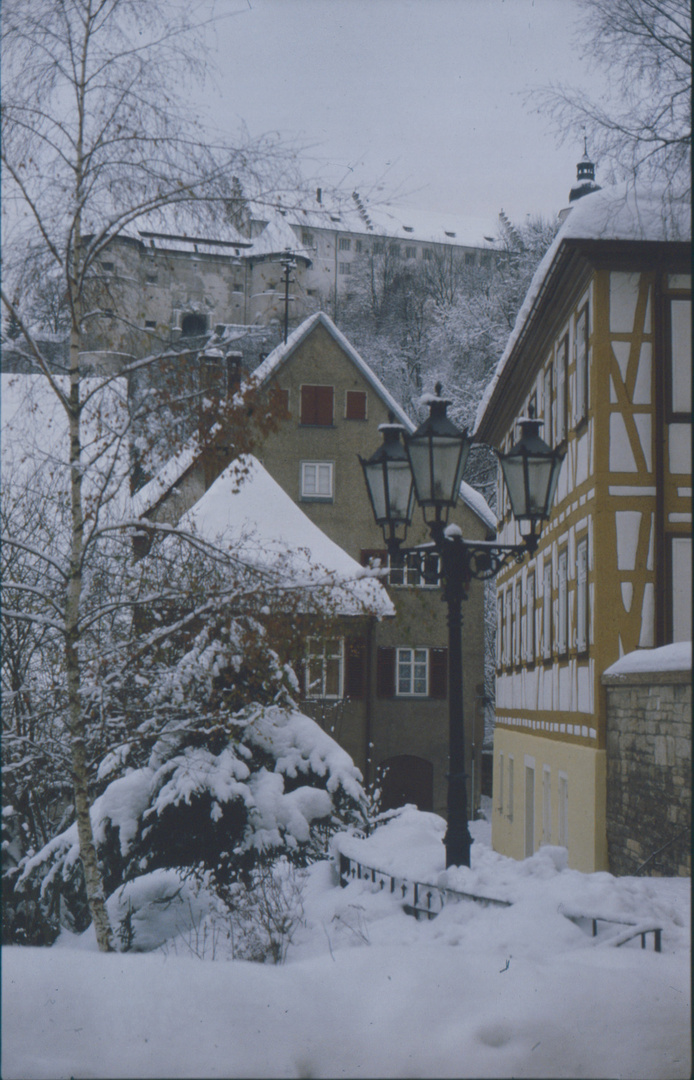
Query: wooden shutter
x,y
355,668
317,405
438,673
385,673
356,405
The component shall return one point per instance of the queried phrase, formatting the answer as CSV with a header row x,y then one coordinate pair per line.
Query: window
x,y
499,630
547,396
317,406
410,252
379,247
681,588
324,667
517,621
412,672
546,805
395,250
345,268
680,358
344,244
563,819
193,324
560,420
582,595
581,351
508,654
416,569
108,267
510,788
306,238
317,480
150,324
529,806
547,608
469,258
358,247
500,804
151,279
562,602
530,619
355,405
427,254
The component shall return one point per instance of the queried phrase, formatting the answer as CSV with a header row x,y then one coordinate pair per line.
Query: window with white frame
x,y
547,405
546,805
582,595
560,410
345,268
412,672
317,480
547,607
581,354
414,570
680,347
563,811
500,629
562,601
344,244
517,621
508,639
324,667
530,619
509,815
500,804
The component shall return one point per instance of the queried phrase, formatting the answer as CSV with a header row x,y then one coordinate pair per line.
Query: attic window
x,y
408,228
449,233
335,217
108,266
150,324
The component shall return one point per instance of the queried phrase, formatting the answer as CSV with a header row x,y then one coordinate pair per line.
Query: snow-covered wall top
x,y
612,214
270,532
676,657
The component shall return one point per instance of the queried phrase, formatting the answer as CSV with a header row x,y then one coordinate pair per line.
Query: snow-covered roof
x,y
620,213
676,657
270,532
273,362
397,222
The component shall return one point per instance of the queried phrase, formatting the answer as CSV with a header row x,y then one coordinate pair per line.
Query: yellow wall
x,y
585,770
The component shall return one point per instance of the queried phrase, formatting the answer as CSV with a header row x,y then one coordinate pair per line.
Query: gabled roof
x,y
272,364
618,214
271,533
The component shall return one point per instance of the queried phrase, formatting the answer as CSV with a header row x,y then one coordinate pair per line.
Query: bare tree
x,y
97,131
642,126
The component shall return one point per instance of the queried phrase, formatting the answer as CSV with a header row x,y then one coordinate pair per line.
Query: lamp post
x,y
428,465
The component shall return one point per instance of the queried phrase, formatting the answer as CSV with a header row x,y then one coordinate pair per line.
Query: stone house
x,y
601,351
383,690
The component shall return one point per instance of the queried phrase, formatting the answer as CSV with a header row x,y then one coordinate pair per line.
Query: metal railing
x,y
418,898
424,900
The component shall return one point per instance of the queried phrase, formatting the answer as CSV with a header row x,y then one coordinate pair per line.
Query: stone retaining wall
x,y
649,772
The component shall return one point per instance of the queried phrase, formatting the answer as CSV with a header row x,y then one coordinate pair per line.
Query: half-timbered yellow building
x,y
601,352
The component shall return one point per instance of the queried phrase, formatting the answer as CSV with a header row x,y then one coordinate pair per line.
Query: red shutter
x,y
317,405
385,673
355,668
280,402
356,405
438,673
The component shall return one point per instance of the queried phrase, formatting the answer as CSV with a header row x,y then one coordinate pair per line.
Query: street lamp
x,y
436,454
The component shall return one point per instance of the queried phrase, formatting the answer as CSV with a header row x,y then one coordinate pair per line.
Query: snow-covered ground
x,y
368,991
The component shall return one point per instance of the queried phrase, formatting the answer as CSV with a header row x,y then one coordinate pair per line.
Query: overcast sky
x,y
424,97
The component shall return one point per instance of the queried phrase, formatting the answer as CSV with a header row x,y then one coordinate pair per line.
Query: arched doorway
x,y
406,779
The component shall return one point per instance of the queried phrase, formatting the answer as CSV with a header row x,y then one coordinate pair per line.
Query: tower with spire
x,y
585,176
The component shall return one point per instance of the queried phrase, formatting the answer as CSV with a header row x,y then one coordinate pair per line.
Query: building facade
x,y
380,688
602,353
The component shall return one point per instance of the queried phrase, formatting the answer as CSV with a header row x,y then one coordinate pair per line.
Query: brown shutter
x,y
317,405
438,673
367,554
385,673
356,405
355,668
